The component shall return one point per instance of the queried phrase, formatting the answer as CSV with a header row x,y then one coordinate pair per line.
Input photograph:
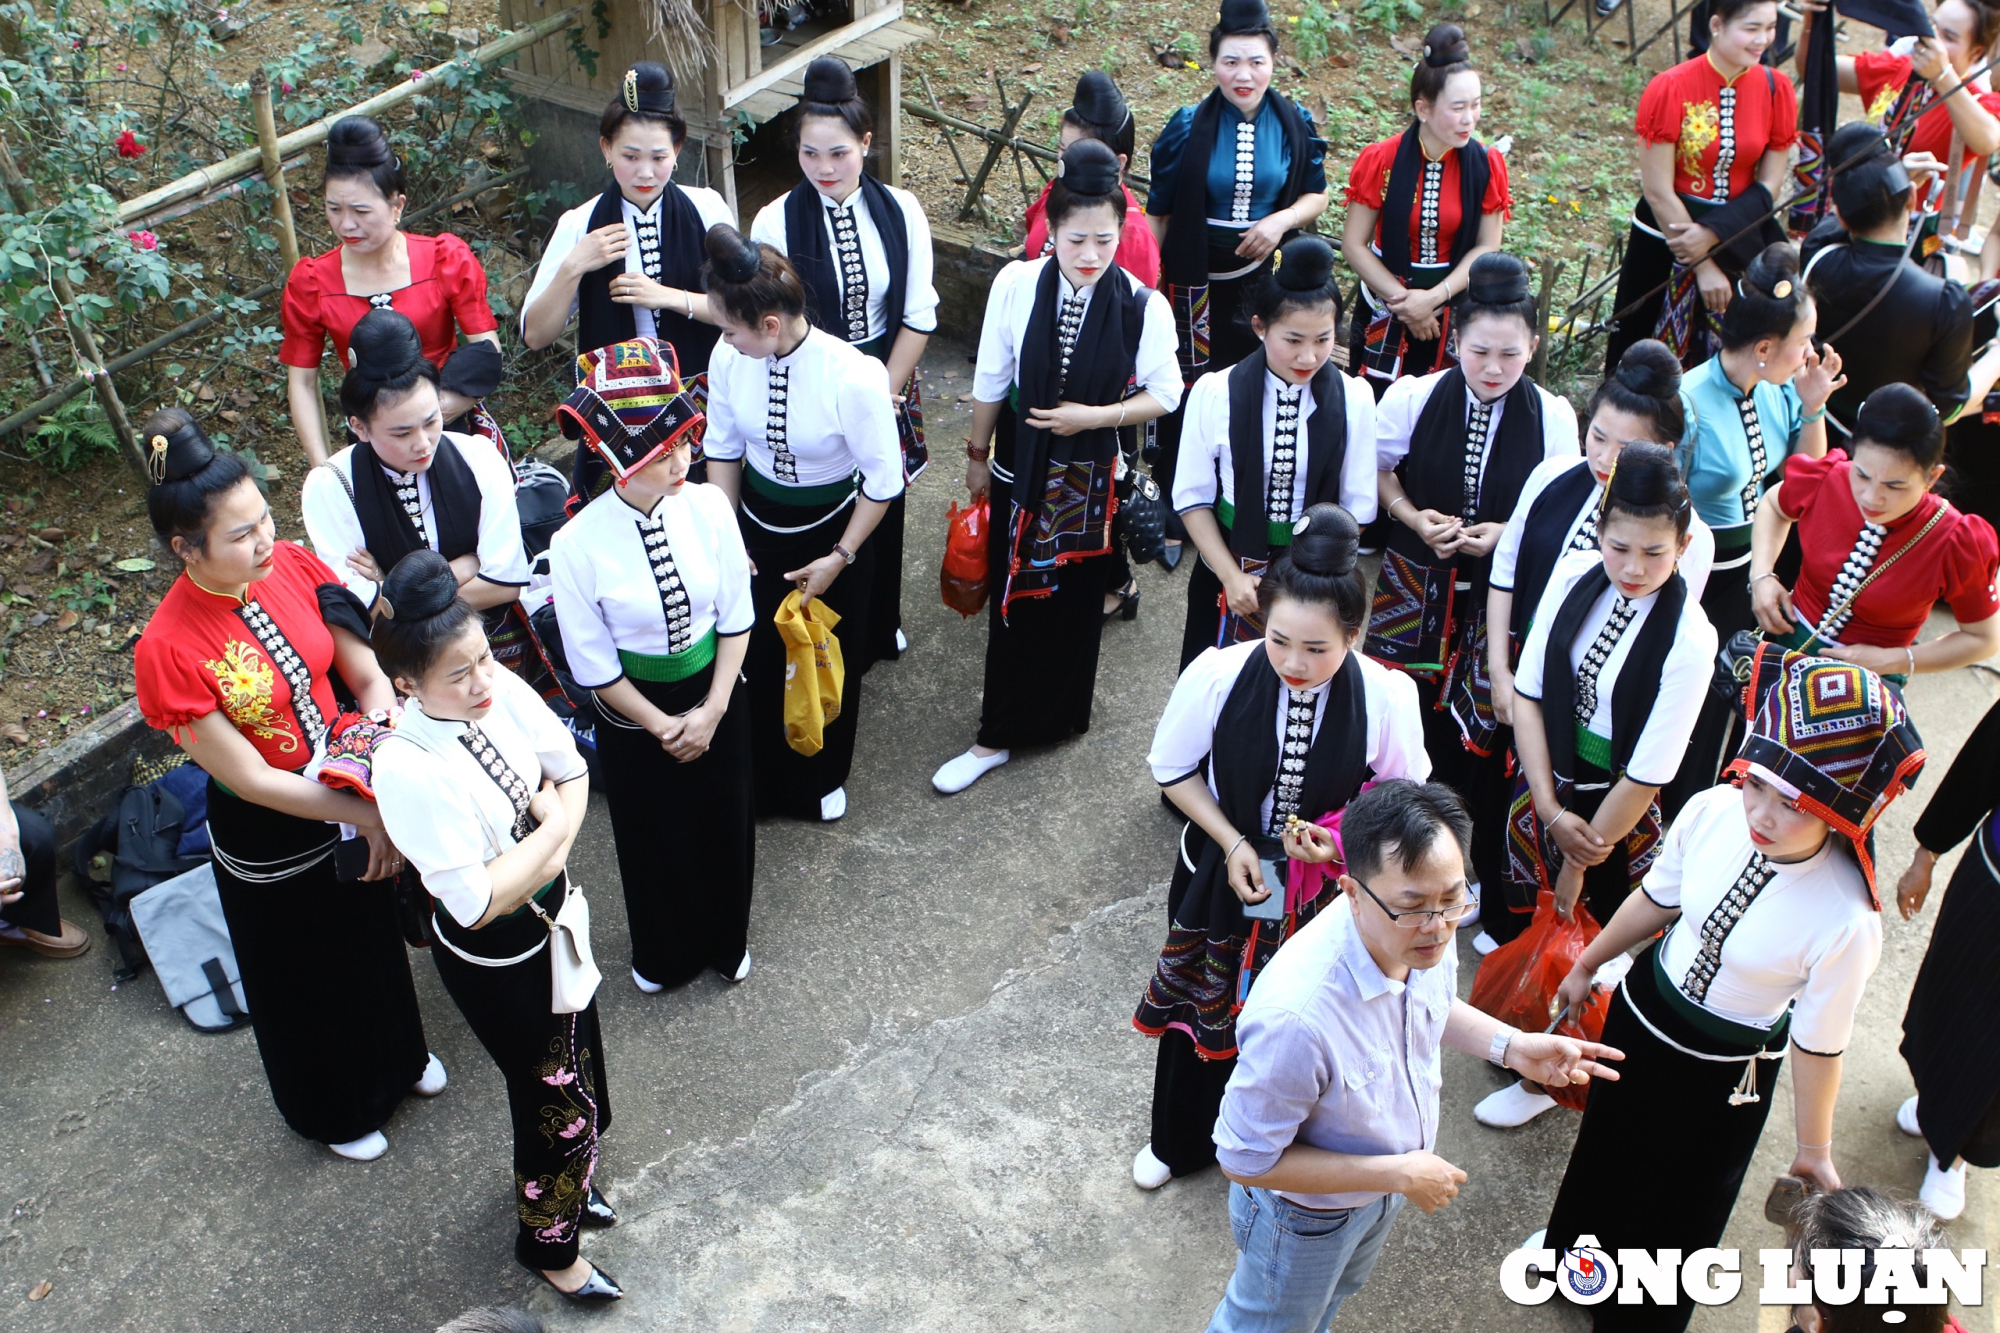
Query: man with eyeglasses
x,y
1329,1119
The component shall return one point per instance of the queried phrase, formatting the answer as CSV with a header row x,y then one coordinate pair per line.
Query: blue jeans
x,y
1294,1266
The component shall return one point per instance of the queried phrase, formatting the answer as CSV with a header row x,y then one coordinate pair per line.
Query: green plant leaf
x,y
138,564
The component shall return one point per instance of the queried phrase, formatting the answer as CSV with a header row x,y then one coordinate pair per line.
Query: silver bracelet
x,y
1767,574
1233,846
1911,653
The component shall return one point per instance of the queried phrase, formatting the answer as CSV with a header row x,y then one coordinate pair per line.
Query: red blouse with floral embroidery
x,y
1368,184
1881,75
202,651
1718,128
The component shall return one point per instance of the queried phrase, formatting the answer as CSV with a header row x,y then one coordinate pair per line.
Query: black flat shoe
x,y
597,1289
1128,603
597,1210
1170,556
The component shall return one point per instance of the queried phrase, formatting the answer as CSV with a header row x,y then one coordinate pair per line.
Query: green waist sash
x,y
674,666
1711,1024
1225,514
1593,748
800,496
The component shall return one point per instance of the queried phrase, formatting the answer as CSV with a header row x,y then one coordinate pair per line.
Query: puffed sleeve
x,y
920,296
1499,196
332,526
1802,481
298,314
1368,178
173,689
431,818
1528,672
1684,681
1877,73
1396,418
587,641
868,420
1823,1017
1357,467
1969,571
1186,730
1204,435
1663,882
728,370
1507,551
1166,162
993,374
1315,177
768,227
1784,113
503,559
733,612
1560,435
464,281
1659,116
1158,368
555,744
569,231
1396,723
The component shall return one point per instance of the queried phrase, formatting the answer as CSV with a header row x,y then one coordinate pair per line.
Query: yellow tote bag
x,y
814,671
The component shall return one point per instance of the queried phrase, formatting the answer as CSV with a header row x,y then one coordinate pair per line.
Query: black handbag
x,y
1145,515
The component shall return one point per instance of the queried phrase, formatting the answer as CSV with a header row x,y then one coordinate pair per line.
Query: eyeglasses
x,y
1419,918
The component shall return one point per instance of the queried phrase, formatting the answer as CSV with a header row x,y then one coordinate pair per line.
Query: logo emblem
x,y
1587,1275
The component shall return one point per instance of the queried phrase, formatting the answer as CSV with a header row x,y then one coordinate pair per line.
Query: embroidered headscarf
x,y
629,405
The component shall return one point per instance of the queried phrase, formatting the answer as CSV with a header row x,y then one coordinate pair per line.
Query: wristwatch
x,y
843,553
1496,1050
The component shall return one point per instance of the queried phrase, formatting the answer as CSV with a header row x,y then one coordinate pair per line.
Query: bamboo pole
x,y
247,161
274,166
1032,149
79,327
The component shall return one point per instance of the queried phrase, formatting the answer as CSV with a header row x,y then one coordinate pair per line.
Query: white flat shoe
x,y
1148,1171
364,1149
902,642
960,773
1537,1240
742,972
1944,1191
1906,1118
833,805
648,987
1512,1106
1483,944
433,1081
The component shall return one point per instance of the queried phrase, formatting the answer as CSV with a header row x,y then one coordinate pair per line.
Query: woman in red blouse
x,y
1098,111
1924,116
235,665
1714,136
1870,521
435,280
1407,235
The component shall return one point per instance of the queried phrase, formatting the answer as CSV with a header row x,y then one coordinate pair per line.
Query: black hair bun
x,y
1326,540
385,346
1098,102
830,82
1649,367
1774,273
1497,278
1241,17
176,446
1646,476
735,256
357,141
1089,167
1303,264
1856,143
421,585
1898,415
649,89
1445,45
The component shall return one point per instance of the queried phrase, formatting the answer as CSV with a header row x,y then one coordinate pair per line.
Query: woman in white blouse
x,y
482,788
1768,900
652,591
1279,432
863,251
802,438
1261,746
1087,351
1611,680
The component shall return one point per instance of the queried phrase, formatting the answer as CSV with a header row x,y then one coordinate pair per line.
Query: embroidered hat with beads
x,y
630,406
1831,737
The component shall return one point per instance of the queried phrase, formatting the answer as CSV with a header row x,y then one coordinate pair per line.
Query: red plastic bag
x,y
1517,982
963,579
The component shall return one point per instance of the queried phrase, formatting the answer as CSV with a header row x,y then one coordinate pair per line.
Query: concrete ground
x,y
918,1114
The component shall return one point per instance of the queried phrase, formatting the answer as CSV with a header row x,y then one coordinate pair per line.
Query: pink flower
x,y
416,76
144,240
129,145
121,67
284,87
575,1128
532,1189
558,1079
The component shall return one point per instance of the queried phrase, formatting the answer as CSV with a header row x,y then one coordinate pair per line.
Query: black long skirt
x,y
790,783
554,1068
1663,1102
1204,610
325,971
1481,781
1951,1031
1726,603
1041,658
885,619
689,911
1187,1085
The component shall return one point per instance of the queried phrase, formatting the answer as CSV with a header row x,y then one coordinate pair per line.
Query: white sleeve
x,y
712,207
570,229
1187,728
1507,553
998,365
555,744
431,819
1358,493
734,613
1684,682
1559,433
1396,419
1528,672
920,297
333,527
1396,724
1823,1018
1204,431
1663,882
1699,557
769,226
1159,369
868,420
587,641
502,558
723,439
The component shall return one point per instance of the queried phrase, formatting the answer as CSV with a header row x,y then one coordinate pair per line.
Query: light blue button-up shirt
x,y
1333,1054
1715,455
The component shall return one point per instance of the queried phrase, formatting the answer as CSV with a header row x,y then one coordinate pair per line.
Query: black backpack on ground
x,y
141,835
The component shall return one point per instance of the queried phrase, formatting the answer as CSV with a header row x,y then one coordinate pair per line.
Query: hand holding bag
x,y
573,974
963,580
815,672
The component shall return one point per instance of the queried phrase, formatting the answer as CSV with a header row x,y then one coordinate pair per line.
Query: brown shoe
x,y
70,943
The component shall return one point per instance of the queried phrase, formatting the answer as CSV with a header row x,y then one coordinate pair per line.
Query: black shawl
x,y
812,253
1433,472
1638,682
387,530
602,321
1473,170
1184,258
1325,441
1544,537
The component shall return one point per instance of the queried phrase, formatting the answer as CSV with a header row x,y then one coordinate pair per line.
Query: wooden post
x,y
274,167
86,341
889,120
